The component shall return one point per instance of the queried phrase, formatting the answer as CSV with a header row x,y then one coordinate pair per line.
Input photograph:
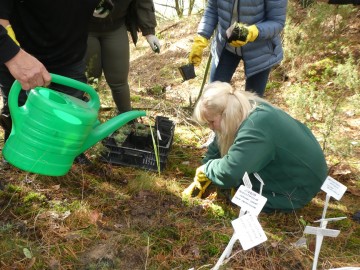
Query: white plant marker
x,y
346,268
333,189
251,204
249,231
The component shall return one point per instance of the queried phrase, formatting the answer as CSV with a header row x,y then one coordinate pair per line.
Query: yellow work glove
x,y
11,34
198,187
200,43
239,34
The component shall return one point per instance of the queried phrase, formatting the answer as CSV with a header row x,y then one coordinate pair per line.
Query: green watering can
x,y
52,128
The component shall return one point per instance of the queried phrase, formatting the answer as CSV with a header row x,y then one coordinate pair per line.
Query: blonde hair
x,y
234,106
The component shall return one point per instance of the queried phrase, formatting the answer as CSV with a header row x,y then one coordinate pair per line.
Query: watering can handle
x,y
16,88
94,101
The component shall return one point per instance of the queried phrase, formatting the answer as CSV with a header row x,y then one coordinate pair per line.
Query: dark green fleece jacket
x,y
281,150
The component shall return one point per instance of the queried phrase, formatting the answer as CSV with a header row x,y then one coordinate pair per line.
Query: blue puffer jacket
x,y
268,16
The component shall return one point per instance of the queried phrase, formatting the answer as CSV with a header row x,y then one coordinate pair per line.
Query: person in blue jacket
x,y
260,48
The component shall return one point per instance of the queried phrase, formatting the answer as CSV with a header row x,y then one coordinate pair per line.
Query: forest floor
x,y
102,216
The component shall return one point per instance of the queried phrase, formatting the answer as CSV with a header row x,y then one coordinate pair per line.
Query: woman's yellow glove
x,y
200,43
11,34
239,34
200,184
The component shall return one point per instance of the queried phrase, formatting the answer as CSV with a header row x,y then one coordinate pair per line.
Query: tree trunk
x,y
191,6
179,7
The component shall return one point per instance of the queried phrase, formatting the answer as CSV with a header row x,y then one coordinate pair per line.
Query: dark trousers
x,y
225,70
109,52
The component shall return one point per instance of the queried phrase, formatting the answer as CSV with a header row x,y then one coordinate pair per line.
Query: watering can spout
x,y
103,130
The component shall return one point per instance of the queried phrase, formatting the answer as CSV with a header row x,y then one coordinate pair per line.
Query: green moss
x,y
166,232
135,98
13,188
217,210
213,250
5,228
34,197
273,85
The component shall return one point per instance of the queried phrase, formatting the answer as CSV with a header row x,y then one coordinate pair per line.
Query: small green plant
x,y
347,76
140,126
302,221
142,130
120,137
157,90
156,150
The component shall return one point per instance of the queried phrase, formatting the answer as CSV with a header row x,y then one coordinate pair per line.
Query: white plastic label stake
x,y
330,219
261,182
334,188
321,231
347,268
249,200
246,180
249,231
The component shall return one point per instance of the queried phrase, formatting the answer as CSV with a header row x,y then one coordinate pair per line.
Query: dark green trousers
x,y
108,52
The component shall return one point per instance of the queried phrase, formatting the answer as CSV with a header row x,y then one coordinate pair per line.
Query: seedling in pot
x,y
141,130
126,130
121,134
120,138
238,32
140,126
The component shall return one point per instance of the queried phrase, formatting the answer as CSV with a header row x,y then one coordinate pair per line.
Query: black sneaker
x,y
82,159
6,124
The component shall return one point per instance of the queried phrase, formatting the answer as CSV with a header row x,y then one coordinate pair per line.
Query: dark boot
x,y
6,123
82,159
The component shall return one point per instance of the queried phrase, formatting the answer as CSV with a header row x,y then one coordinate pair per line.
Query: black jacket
x,y
55,31
8,48
138,15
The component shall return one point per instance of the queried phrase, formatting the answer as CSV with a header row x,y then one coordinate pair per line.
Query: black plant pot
x,y
187,72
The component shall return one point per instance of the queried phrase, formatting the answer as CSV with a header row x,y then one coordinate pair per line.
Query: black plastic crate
x,y
138,150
